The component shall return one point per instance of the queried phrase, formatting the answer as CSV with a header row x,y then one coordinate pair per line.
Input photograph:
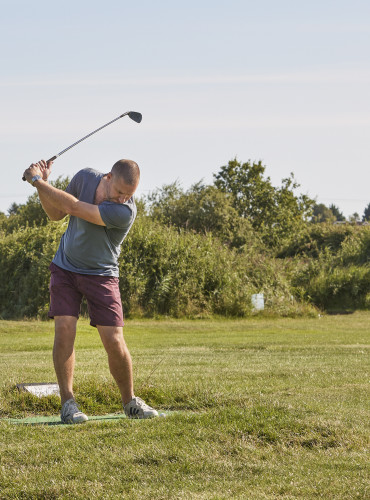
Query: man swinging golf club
x,y
102,210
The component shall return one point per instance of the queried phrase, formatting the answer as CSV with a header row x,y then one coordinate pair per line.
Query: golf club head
x,y
137,117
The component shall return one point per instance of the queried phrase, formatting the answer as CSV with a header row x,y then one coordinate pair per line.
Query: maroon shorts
x,y
101,292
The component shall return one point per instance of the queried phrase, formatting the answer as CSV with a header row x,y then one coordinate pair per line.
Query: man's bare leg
x,y
119,359
64,354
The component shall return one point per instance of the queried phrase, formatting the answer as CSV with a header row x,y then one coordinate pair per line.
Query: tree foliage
x,y
321,213
276,212
202,209
205,251
354,218
30,213
337,213
366,216
162,271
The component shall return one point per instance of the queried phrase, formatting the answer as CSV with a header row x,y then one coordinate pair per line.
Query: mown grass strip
x,y
55,419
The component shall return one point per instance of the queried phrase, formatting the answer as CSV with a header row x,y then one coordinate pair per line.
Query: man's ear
x,y
109,176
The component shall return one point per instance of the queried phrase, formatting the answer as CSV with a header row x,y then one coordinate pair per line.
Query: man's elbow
x,y
73,208
57,217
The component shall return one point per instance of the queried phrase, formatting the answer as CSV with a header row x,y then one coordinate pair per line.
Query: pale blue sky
x,y
285,82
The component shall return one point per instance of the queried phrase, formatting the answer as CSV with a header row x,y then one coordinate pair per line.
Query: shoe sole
x,y
141,417
76,420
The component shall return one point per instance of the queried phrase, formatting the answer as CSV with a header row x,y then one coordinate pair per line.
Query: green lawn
x,y
259,408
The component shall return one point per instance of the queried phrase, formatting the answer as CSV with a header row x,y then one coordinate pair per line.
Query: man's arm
x,y
51,211
67,203
57,203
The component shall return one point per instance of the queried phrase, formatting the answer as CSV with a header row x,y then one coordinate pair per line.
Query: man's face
x,y
117,190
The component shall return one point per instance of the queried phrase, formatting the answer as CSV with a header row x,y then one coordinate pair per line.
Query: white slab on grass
x,y
40,390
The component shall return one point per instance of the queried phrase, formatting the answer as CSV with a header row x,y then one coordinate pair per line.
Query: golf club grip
x,y
47,161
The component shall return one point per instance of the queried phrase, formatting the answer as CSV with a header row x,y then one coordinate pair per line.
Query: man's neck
x,y
100,193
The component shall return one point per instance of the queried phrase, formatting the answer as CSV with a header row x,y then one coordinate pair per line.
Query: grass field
x,y
260,409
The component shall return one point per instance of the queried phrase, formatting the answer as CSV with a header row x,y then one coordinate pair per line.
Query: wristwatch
x,y
35,178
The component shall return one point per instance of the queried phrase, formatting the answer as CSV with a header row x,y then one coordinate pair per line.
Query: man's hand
x,y
31,171
41,168
45,168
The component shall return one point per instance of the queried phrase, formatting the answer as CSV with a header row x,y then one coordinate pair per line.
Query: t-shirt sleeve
x,y
74,185
115,215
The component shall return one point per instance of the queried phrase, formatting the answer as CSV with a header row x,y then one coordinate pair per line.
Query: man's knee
x,y
112,338
65,329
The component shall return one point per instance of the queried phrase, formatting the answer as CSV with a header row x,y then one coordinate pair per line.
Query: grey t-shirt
x,y
88,248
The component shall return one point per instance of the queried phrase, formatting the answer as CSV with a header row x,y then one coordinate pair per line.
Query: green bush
x,y
314,238
202,209
341,288
338,278
30,213
166,270
25,256
355,249
162,271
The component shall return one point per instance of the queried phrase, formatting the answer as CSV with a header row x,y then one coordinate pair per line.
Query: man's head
x,y
122,181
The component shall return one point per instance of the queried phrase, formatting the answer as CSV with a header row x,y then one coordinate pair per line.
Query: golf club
x,y
137,117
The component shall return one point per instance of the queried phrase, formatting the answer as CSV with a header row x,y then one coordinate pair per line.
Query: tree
x,y
354,217
13,209
337,213
251,193
30,213
3,219
202,209
276,212
321,213
366,216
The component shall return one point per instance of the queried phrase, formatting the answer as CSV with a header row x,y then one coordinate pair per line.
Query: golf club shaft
x,y
86,136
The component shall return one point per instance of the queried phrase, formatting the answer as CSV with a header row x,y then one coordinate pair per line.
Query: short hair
x,y
128,171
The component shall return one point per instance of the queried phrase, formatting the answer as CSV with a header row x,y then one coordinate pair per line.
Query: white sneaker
x,y
137,408
71,414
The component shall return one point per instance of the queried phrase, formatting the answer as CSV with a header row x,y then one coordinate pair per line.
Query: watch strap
x,y
35,178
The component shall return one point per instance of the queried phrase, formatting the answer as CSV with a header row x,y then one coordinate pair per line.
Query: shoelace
x,y
71,408
142,403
